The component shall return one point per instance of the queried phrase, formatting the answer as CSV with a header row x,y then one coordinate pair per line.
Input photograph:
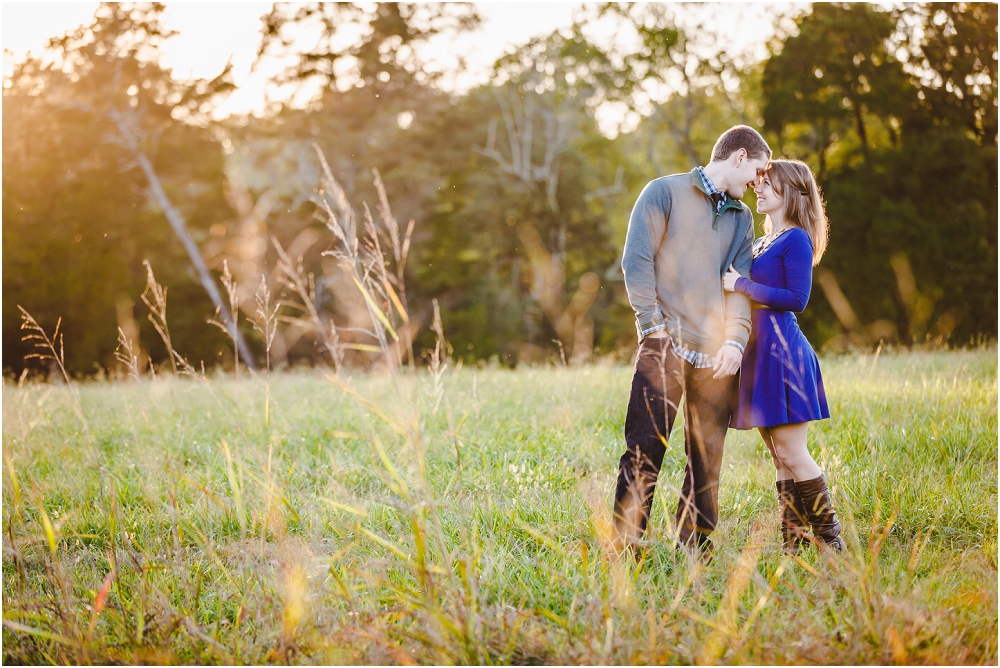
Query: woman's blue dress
x,y
780,381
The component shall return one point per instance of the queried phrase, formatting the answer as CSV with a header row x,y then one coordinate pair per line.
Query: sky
x,y
211,33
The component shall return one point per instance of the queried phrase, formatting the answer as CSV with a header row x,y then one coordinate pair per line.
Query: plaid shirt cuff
x,y
735,344
643,333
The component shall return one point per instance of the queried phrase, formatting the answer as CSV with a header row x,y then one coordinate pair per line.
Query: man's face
x,y
746,173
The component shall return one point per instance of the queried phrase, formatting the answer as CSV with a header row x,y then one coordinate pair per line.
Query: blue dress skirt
x,y
780,379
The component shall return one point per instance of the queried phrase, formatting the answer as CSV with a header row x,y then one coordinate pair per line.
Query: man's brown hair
x,y
741,136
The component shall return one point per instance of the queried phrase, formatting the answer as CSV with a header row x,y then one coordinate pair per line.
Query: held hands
x,y
727,361
729,280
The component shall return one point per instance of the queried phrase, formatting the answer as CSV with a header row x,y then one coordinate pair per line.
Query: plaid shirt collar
x,y
711,190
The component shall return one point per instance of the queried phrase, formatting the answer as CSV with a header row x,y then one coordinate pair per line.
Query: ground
x,y
463,518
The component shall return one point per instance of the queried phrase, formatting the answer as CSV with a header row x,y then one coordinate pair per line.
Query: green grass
x,y
165,522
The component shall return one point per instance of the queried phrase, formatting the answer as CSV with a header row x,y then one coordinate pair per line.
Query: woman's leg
x,y
781,472
789,443
794,522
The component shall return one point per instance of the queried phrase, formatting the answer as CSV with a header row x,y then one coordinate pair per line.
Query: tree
x,y
106,96
384,57
521,231
682,76
905,160
118,52
951,53
834,76
374,104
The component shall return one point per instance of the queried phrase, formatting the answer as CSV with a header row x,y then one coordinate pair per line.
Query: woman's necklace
x,y
767,241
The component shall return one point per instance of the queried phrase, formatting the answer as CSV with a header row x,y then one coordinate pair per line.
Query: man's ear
x,y
741,155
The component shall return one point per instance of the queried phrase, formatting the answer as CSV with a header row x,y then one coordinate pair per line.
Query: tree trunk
x,y
862,133
179,225
177,222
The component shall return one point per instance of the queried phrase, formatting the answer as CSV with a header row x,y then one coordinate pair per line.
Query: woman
x,y
781,389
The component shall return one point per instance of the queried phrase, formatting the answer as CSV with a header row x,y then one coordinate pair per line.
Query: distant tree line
x,y
518,203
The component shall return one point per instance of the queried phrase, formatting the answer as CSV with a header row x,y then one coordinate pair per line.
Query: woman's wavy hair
x,y
793,181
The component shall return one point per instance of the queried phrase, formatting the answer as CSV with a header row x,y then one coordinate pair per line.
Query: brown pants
x,y
661,378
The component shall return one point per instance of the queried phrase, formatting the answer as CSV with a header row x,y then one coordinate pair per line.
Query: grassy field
x,y
464,519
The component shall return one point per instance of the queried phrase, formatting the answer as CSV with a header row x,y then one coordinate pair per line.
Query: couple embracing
x,y
715,317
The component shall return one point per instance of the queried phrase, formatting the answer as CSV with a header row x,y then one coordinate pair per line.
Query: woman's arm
x,y
798,257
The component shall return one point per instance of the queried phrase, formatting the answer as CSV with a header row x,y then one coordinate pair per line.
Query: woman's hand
x,y
729,279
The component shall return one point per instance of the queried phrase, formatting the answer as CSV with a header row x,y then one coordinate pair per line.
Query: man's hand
x,y
727,361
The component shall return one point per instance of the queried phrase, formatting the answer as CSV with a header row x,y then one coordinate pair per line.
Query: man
x,y
684,232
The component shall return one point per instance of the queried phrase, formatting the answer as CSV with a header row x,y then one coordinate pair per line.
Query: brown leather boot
x,y
794,521
815,496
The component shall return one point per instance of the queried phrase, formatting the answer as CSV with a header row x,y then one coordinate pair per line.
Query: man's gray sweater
x,y
676,250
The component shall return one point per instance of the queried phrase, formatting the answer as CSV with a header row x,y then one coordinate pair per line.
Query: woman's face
x,y
768,201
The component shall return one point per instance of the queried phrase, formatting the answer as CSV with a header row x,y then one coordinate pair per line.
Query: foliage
x,y
954,62
527,215
519,203
384,56
79,218
898,155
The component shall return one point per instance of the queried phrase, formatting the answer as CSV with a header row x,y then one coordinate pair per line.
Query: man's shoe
x,y
634,552
703,549
815,496
706,551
